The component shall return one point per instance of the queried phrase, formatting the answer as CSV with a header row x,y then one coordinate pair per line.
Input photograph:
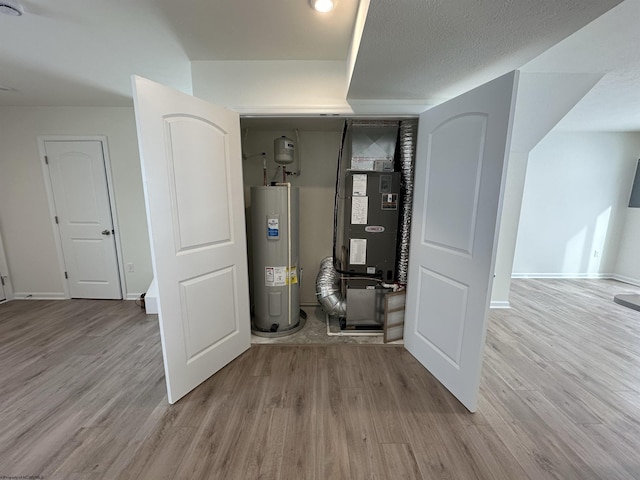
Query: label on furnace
x,y
358,251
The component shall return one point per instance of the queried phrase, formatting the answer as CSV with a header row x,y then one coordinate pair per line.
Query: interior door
x,y
83,211
4,275
3,272
192,175
459,175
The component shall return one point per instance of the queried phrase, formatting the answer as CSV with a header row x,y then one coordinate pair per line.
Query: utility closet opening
x,y
328,216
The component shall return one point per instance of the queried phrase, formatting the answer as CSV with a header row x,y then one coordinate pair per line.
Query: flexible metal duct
x,y
408,129
328,289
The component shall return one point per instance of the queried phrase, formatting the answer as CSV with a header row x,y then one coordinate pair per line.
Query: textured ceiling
x,y
434,50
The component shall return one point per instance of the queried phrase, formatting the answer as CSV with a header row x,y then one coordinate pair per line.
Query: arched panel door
x,y
191,167
460,163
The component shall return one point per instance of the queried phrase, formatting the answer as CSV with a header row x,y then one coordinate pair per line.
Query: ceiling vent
x,y
11,7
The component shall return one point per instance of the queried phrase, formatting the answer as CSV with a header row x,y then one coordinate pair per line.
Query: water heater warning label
x,y
279,277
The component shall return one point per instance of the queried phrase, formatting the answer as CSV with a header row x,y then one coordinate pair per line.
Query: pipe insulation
x,y
408,130
328,289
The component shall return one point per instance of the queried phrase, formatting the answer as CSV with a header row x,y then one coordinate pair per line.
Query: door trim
x,y
52,210
4,271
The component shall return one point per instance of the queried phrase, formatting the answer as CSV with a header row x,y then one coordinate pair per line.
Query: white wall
x,y
531,124
270,87
574,202
288,87
319,154
24,213
511,206
628,263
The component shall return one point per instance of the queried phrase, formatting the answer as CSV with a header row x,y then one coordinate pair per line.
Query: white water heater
x,y
275,263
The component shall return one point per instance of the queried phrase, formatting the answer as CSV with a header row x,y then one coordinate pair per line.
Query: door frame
x,y
52,209
4,272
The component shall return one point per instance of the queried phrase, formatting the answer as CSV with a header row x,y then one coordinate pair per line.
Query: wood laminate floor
x,y
82,396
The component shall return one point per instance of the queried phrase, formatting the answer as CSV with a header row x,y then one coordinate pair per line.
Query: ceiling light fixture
x,y
11,7
322,5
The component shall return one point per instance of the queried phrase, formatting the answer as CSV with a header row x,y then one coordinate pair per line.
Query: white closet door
x,y
459,175
191,167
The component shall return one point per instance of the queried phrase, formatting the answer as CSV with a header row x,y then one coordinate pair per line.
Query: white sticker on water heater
x,y
273,227
280,279
358,251
278,276
269,276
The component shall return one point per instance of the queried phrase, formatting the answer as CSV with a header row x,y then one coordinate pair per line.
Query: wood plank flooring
x,y
82,396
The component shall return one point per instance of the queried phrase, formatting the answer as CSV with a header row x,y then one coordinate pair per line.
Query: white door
x,y
192,175
4,273
83,212
460,165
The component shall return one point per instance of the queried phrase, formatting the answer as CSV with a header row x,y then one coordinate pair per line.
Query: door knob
x,y
106,232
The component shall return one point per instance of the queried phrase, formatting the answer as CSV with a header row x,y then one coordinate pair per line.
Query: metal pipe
x,y
264,168
288,185
298,154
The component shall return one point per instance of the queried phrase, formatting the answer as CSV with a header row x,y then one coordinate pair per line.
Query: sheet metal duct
x,y
328,289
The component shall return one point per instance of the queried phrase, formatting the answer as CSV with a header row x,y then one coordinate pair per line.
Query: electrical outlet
x,y
131,267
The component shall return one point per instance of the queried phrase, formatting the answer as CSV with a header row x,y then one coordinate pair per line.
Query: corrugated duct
x,y
328,289
408,130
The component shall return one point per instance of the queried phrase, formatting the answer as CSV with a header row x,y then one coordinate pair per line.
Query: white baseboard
x,y
133,296
563,275
629,280
39,296
499,304
151,298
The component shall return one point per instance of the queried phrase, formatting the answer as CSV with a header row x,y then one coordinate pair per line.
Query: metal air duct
x,y
328,289
408,130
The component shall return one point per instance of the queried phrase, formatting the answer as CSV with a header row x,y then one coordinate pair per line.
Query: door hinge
x,y
2,280
113,231
56,217
66,275
46,160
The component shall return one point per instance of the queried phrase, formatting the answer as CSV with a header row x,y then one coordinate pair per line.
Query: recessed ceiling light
x,y
11,7
322,5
